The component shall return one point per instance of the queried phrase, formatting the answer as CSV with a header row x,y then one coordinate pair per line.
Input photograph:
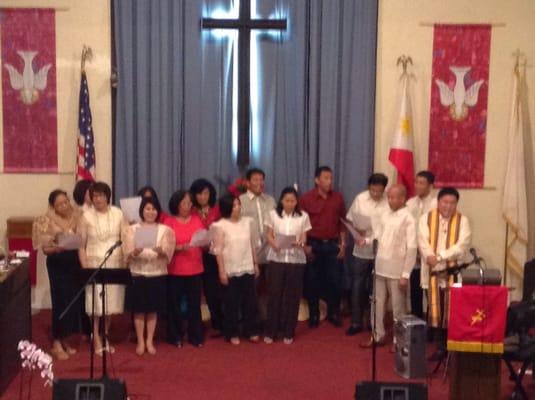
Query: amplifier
x,y
89,389
410,335
476,276
390,391
528,292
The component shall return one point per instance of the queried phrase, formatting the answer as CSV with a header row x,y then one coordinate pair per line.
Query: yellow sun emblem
x,y
479,316
405,126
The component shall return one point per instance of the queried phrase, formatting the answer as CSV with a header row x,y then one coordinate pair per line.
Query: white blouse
x,y
148,263
235,241
288,225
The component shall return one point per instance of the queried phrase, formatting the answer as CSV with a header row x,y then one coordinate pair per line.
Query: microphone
x,y
115,245
476,259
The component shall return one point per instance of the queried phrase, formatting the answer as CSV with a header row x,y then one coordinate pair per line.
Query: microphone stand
x,y
374,311
92,280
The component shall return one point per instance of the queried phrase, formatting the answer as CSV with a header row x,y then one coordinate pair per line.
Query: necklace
x,y
204,212
444,226
103,232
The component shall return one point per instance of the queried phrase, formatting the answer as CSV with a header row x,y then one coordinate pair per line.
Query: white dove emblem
x,y
460,98
28,83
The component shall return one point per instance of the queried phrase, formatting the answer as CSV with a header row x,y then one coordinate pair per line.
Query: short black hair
x,y
153,195
253,171
176,199
226,203
285,191
197,187
448,190
378,178
320,169
54,195
155,203
100,187
80,189
427,175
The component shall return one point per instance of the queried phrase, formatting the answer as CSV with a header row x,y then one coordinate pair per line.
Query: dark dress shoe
x,y
335,320
369,343
353,330
313,322
438,355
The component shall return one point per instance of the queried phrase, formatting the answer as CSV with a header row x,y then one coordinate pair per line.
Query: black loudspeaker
x,y
89,389
390,391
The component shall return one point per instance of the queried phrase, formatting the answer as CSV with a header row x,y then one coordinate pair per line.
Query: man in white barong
x,y
396,255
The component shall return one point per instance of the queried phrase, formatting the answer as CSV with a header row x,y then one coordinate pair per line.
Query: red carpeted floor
x,y
320,364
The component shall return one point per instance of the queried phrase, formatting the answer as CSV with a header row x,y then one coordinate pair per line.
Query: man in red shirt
x,y
326,243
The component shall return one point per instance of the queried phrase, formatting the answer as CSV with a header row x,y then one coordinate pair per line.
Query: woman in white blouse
x,y
287,228
234,245
146,297
101,227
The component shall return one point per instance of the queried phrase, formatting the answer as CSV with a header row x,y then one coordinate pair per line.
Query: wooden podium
x,y
475,341
15,320
475,376
19,237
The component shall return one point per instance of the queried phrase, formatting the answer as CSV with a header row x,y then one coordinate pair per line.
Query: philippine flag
x,y
401,151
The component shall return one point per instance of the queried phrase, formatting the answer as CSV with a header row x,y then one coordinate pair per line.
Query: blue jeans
x,y
323,277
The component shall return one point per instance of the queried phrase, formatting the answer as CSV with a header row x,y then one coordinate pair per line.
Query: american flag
x,y
85,159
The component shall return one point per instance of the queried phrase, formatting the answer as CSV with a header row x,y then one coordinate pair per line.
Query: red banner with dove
x,y
459,91
29,90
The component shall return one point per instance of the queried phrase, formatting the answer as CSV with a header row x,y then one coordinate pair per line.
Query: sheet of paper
x,y
285,241
22,254
69,241
146,236
130,207
201,238
356,236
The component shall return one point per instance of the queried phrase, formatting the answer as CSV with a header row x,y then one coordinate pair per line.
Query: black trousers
x,y
213,292
240,300
323,277
284,289
189,287
417,304
360,272
62,271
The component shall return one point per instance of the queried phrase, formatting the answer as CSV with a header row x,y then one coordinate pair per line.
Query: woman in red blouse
x,y
203,197
184,272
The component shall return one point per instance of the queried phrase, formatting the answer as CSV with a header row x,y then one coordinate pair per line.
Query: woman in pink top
x,y
203,197
185,272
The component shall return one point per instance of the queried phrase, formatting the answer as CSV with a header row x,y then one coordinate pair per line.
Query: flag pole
x,y
505,263
87,55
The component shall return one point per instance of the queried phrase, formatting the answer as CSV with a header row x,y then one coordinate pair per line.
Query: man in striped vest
x,y
444,240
